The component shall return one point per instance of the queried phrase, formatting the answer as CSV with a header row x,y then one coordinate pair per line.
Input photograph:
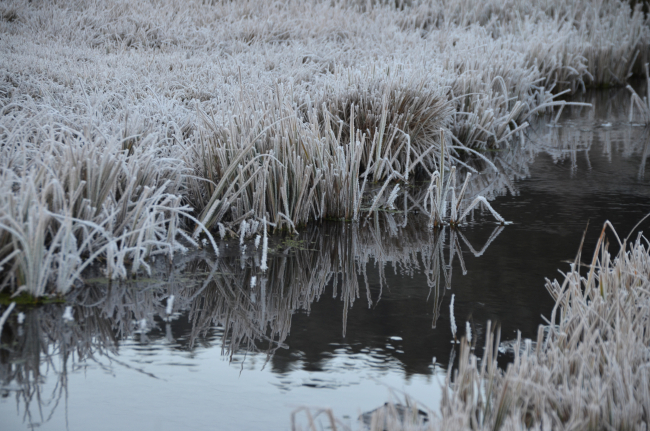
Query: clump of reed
x,y
78,196
439,201
588,363
586,370
407,116
273,164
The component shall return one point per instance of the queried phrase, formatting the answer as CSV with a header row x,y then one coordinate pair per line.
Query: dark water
x,y
344,312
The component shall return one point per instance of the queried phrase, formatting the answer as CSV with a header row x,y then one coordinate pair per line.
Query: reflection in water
x,y
253,309
317,277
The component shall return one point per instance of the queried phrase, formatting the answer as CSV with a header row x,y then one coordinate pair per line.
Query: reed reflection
x,y
182,303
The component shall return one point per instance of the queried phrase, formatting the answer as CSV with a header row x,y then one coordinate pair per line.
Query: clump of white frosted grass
x,y
136,121
590,364
442,207
76,197
400,119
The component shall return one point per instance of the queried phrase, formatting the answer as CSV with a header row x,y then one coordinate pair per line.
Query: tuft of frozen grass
x,y
76,197
597,317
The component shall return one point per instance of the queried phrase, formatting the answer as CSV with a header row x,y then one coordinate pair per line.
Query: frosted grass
x,y
132,129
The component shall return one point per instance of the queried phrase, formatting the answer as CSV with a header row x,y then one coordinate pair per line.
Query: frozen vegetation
x,y
587,370
133,129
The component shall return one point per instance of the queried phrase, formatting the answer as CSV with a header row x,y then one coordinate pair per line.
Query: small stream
x,y
346,315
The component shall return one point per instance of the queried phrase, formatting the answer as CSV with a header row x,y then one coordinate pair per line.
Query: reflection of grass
x,y
253,307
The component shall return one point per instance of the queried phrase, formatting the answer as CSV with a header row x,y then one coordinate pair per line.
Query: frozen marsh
x,y
328,317
131,129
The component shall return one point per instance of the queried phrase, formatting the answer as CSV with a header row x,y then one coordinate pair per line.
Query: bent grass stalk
x,y
440,188
642,104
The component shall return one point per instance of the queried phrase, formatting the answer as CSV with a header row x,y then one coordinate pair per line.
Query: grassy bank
x,y
133,129
587,370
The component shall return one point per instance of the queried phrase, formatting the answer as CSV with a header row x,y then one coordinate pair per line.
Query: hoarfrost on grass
x,y
129,129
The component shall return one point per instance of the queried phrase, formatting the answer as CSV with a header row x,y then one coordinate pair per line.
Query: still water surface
x,y
345,312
